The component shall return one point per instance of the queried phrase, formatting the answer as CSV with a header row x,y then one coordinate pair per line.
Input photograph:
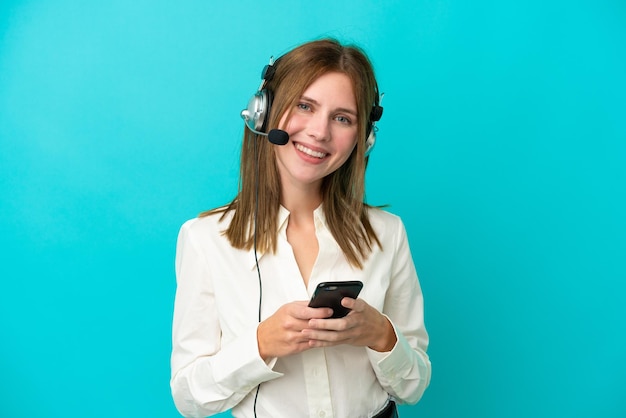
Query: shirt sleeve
x,y
405,371
207,377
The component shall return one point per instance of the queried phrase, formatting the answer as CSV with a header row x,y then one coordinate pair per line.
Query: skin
x,y
323,133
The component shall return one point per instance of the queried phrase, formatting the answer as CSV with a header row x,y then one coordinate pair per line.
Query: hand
x,y
363,326
281,334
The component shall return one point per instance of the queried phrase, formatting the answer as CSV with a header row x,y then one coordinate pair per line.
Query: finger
x,y
336,324
301,310
307,313
356,305
348,302
319,313
325,336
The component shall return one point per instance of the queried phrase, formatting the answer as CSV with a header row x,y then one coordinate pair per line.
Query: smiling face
x,y
322,133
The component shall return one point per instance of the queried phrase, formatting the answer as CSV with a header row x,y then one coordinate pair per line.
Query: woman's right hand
x,y
281,334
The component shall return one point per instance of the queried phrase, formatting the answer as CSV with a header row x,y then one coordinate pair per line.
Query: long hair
x,y
343,191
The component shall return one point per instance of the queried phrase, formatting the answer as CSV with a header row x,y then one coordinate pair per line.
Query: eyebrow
x,y
340,109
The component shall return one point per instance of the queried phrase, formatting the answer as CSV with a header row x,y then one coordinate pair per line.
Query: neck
x,y
301,202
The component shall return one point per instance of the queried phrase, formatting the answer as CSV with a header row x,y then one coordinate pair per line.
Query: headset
x,y
256,115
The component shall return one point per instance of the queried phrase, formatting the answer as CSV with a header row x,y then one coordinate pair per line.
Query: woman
x,y
244,337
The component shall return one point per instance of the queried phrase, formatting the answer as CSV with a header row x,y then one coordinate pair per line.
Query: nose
x,y
318,127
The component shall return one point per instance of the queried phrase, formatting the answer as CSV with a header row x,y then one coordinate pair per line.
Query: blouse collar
x,y
283,219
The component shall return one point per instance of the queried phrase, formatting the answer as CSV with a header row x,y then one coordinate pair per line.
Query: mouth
x,y
310,152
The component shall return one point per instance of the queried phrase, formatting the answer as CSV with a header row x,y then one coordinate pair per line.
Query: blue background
x,y
503,147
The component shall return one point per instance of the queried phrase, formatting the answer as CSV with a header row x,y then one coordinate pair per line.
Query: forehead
x,y
332,88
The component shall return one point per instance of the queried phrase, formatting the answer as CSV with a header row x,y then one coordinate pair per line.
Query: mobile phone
x,y
329,295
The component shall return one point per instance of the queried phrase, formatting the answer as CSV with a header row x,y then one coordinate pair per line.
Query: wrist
x,y
259,340
387,339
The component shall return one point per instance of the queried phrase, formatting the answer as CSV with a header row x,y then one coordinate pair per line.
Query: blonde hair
x,y
343,192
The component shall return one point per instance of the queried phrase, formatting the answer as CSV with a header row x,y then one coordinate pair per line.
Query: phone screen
x,y
330,294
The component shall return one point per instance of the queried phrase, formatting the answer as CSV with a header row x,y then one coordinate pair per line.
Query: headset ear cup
x,y
370,141
375,114
256,114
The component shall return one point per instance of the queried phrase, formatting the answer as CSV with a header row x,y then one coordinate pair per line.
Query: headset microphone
x,y
275,136
278,137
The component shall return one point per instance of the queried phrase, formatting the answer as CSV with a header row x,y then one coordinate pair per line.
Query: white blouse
x,y
215,360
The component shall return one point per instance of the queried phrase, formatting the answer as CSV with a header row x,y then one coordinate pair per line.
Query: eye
x,y
343,119
304,106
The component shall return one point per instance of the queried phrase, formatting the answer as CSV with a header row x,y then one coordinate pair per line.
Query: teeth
x,y
310,152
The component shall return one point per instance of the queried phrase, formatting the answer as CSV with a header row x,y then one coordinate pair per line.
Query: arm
x,y
404,371
208,376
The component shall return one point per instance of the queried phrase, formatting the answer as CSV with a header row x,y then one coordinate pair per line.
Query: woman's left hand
x,y
363,326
